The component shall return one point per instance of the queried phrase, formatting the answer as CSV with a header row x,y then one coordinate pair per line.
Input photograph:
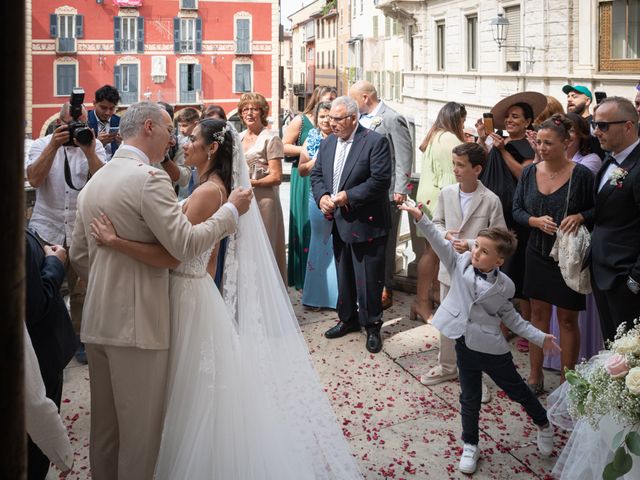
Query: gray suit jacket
x,y
478,319
484,211
394,127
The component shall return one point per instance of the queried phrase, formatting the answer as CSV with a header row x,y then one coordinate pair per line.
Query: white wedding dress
x,y
244,401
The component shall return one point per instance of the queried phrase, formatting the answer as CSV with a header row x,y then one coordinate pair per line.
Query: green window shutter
x,y
198,35
53,25
140,34
176,35
117,35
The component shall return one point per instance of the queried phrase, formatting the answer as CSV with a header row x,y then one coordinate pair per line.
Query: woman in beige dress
x,y
264,151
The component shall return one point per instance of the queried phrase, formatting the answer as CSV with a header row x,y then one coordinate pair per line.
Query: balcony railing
x,y
128,45
243,46
187,46
66,45
299,89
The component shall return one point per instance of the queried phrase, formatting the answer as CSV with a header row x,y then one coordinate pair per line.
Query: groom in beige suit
x,y
126,323
463,209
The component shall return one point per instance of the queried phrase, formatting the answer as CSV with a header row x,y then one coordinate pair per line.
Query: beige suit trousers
x,y
447,353
128,389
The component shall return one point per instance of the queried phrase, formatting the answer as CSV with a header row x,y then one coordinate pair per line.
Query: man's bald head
x,y
365,95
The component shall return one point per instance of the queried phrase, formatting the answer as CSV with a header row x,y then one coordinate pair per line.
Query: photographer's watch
x,y
633,286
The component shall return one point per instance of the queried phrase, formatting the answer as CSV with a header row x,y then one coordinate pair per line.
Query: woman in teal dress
x,y
321,280
299,227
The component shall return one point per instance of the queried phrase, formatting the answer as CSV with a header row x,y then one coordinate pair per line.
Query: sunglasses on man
x,y
604,126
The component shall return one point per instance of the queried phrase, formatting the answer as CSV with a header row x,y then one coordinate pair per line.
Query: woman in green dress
x,y
299,226
436,173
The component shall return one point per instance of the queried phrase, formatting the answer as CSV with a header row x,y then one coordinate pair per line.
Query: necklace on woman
x,y
552,176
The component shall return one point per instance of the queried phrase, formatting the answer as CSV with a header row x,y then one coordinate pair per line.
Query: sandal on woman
x,y
416,314
536,388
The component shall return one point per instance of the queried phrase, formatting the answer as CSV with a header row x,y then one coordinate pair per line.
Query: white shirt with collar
x,y
340,145
367,118
619,158
54,213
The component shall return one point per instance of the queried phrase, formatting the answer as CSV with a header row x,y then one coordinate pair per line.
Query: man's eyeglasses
x,y
338,119
604,126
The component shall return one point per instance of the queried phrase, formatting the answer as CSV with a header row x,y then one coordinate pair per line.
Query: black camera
x,y
77,130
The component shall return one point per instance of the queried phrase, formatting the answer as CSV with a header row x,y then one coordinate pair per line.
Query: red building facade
x,y
184,52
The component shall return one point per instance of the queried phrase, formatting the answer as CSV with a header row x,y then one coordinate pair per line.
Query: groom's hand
x,y
241,199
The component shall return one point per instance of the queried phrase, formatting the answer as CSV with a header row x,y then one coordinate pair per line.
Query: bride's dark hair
x,y
211,131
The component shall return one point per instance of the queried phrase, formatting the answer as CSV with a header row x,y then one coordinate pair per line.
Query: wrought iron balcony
x,y
66,45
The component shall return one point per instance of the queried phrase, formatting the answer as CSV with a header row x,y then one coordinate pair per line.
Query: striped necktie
x,y
339,165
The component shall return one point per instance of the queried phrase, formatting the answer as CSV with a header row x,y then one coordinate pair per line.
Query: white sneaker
x,y
545,440
486,393
469,458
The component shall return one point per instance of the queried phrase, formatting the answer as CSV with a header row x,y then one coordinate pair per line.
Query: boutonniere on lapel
x,y
617,177
375,121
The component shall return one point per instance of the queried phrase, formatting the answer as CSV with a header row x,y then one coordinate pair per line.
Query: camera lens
x,y
83,135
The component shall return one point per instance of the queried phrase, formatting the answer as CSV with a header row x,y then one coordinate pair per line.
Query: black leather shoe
x,y
374,341
341,329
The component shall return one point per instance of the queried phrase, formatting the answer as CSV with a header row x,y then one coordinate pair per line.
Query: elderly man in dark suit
x,y
615,242
350,181
49,326
381,118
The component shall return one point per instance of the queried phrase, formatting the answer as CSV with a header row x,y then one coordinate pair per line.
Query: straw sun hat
x,y
536,101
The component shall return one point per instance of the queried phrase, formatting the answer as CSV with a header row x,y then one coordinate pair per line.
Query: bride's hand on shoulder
x,y
103,231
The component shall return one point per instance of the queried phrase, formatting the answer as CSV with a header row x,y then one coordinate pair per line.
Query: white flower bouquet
x,y
609,385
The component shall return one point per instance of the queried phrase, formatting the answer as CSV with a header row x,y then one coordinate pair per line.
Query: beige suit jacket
x,y
127,302
485,210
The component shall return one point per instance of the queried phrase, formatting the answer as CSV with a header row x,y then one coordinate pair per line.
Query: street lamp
x,y
499,28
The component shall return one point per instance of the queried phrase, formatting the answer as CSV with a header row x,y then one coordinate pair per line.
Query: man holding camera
x,y
103,120
58,167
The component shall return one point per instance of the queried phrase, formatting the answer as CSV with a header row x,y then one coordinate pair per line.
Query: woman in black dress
x,y
507,159
545,192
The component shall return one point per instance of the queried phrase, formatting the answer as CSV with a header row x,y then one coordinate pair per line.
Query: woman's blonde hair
x,y
257,100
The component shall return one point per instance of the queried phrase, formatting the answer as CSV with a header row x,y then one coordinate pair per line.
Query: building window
x,y
187,35
65,78
512,55
242,77
625,23
619,48
125,77
128,34
189,4
243,36
190,82
472,42
440,45
65,29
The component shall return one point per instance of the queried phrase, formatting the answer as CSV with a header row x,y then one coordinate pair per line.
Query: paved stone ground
x,y
397,428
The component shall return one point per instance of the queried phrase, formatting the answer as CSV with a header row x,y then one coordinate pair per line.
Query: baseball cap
x,y
577,88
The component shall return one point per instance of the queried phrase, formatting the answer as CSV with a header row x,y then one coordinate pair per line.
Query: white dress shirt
x,y
54,213
341,145
619,158
367,118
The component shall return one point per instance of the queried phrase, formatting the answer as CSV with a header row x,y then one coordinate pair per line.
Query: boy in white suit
x,y
478,300
463,209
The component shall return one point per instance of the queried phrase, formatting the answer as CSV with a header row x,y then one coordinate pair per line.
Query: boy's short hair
x,y
474,152
505,240
187,115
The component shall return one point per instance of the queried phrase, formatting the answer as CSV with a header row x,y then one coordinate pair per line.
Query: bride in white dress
x,y
243,401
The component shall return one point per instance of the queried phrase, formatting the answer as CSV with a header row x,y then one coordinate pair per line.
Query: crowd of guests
x,y
538,171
